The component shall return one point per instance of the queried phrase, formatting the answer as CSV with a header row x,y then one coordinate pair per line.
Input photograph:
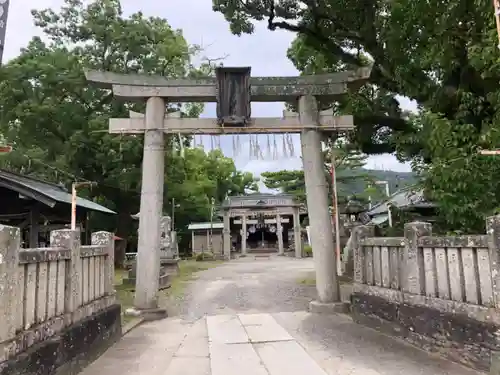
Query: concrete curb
x,y
126,328
328,308
147,314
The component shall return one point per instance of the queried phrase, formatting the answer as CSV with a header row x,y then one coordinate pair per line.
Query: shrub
x,y
308,251
204,257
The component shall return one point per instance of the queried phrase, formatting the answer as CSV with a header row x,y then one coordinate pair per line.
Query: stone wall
x,y
439,293
57,304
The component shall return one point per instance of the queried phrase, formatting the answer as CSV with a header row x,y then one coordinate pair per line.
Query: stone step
x,y
264,250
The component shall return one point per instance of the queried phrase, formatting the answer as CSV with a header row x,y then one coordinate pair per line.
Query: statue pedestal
x,y
168,268
169,252
131,276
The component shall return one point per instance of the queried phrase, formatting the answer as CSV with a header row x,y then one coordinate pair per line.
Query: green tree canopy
x,y
443,55
463,182
58,123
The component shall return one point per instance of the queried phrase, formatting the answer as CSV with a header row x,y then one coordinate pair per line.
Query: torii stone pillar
x,y
148,264
317,199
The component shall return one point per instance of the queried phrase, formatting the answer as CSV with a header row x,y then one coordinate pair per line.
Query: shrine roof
x,y
260,200
45,192
259,196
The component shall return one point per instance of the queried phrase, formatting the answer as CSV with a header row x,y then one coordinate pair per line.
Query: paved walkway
x,y
259,339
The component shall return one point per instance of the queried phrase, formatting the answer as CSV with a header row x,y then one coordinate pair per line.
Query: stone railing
x,y
441,293
45,291
451,268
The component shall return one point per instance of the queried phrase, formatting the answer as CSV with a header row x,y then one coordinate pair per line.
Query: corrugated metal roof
x,y
51,191
201,226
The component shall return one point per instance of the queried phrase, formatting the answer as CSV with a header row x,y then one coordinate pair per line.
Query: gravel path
x,y
248,285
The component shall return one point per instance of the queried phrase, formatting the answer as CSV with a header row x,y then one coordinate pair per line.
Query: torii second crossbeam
x,y
289,123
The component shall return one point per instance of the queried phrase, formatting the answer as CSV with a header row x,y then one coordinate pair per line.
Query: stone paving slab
x,y
231,359
147,349
220,345
188,366
263,328
287,358
226,329
195,343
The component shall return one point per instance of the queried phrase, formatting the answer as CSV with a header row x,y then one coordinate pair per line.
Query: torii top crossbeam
x,y
262,89
233,89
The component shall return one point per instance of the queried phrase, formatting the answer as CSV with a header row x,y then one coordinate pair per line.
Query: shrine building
x,y
252,224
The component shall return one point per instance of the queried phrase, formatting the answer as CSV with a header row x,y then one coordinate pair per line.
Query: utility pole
x,y
75,186
173,215
388,193
4,12
212,203
496,9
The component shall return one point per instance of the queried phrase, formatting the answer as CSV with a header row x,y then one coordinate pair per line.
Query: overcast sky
x,y
264,51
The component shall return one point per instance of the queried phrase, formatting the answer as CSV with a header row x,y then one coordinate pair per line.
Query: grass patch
x,y
124,294
311,280
308,281
187,270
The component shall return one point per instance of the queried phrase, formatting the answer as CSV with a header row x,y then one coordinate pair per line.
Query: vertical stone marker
x,y
232,89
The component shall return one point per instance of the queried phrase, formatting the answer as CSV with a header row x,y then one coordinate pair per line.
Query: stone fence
x,y
439,293
57,304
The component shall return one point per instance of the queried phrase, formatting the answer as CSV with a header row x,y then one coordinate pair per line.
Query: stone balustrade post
x,y
493,232
106,239
226,233
10,240
359,233
279,233
296,233
244,235
70,239
413,272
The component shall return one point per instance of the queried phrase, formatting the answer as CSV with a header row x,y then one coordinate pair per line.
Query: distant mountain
x,y
397,180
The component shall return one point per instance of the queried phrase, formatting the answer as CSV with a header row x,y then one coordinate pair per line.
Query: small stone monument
x,y
169,248
168,255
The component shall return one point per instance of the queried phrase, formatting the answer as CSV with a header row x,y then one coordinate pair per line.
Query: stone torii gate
x,y
233,89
